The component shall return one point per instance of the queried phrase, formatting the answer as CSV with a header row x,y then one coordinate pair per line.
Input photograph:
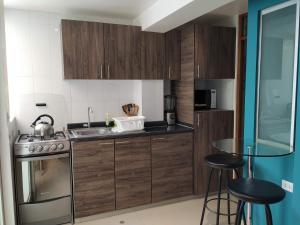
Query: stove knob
x,y
39,148
31,149
61,146
53,147
46,148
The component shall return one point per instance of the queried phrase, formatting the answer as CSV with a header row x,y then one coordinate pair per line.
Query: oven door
x,y
42,178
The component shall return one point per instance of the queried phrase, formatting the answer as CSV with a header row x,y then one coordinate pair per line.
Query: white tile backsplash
x,y
35,70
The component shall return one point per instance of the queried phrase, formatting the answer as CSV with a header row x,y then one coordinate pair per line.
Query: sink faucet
x,y
90,110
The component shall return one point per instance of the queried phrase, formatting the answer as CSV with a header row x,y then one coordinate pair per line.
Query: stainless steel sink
x,y
91,132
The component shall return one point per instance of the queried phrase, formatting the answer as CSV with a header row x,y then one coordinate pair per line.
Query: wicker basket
x,y
131,109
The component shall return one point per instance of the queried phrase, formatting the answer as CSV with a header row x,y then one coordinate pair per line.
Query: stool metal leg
x,y
228,199
206,196
268,215
239,213
219,197
236,173
244,216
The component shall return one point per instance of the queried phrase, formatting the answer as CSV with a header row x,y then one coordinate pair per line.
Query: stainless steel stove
x,y
26,144
43,180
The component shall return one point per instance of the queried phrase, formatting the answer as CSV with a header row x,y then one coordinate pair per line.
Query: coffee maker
x,y
170,104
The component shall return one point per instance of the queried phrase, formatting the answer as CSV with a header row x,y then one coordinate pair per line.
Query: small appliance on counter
x,y
205,99
126,124
170,107
42,171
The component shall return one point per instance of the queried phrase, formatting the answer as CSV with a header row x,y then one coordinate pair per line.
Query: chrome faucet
x,y
90,110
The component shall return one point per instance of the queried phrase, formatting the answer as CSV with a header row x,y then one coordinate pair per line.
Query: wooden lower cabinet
x,y
132,172
172,166
129,172
94,183
209,125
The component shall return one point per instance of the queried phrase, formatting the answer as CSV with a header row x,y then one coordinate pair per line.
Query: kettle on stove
x,y
43,128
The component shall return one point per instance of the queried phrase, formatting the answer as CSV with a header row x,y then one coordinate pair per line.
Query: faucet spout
x,y
90,110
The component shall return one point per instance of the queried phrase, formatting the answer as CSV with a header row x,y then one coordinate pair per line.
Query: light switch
x,y
288,186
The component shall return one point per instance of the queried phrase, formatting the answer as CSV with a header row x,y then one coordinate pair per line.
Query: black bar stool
x,y
255,191
221,163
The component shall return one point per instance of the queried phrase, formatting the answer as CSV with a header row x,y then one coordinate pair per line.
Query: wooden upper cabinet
x,y
94,183
122,51
214,52
132,172
83,50
152,56
172,62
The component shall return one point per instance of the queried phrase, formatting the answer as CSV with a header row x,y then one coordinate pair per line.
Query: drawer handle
x,y
101,72
123,142
198,71
157,139
106,143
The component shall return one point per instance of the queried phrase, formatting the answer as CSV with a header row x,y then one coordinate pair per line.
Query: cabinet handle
x,y
169,72
198,71
101,72
198,118
108,72
157,139
123,142
106,143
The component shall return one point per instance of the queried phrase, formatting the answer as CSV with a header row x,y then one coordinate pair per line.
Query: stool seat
x,y
224,161
256,191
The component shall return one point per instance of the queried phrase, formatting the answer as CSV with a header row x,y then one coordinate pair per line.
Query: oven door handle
x,y
47,157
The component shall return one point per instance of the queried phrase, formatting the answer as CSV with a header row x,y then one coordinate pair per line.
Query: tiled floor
x,y
181,213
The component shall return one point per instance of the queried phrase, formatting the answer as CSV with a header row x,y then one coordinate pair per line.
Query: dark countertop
x,y
151,128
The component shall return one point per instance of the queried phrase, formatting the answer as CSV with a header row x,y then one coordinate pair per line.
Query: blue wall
x,y
272,169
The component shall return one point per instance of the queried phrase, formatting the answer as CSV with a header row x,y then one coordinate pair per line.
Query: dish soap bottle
x,y
107,120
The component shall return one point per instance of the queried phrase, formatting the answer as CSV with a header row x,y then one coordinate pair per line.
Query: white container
x,y
132,123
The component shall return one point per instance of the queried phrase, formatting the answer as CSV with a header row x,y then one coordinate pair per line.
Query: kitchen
x,y
49,81
114,109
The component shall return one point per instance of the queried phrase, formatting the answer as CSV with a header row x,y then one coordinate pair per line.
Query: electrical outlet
x,y
288,186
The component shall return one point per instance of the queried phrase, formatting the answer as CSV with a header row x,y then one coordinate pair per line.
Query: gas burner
x,y
27,144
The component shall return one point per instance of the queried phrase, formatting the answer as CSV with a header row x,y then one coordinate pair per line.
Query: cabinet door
x,y
209,126
94,186
172,65
152,56
214,52
83,50
172,166
122,51
132,172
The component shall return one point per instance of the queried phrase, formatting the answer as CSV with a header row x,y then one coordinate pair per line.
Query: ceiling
x,y
234,8
127,9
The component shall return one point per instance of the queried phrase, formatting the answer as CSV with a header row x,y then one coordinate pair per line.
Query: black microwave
x,y
205,99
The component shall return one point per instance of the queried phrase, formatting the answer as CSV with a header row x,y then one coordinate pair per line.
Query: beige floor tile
x,y
181,213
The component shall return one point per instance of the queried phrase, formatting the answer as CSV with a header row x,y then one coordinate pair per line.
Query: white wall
x,y
35,70
152,98
5,142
